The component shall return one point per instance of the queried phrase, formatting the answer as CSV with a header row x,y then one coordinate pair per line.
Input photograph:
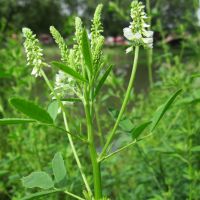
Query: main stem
x,y
126,98
93,154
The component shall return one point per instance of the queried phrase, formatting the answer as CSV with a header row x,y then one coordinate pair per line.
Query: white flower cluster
x,y
137,32
64,84
33,51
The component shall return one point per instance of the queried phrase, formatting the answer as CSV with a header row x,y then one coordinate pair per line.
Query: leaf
x,y
126,125
195,149
196,75
113,113
136,132
40,194
162,110
69,71
32,110
59,170
7,121
102,80
38,179
53,109
86,50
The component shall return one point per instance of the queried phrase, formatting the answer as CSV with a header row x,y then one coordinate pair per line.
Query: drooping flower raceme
x,y
138,32
33,52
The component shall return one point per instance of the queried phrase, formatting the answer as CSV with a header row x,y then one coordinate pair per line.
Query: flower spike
x,y
33,52
137,32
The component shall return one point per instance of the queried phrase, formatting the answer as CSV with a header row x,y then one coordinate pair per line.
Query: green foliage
x,y
86,51
102,80
40,194
31,110
38,179
136,132
162,109
59,170
7,121
69,71
53,109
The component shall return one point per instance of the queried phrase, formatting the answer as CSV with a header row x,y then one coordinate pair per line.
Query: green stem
x,y
118,151
73,195
93,154
125,102
69,136
124,147
96,110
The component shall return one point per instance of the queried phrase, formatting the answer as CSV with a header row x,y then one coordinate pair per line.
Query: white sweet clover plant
x,y
82,72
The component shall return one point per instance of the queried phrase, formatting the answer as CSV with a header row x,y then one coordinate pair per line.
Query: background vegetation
x,y
163,167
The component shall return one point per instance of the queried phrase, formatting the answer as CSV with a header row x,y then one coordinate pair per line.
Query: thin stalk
x,y
124,147
73,195
69,136
124,104
75,136
118,151
93,154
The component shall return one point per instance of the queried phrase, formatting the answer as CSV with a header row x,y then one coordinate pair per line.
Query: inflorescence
x,y
138,32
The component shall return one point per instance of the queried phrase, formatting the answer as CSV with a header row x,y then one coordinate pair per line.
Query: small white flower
x,y
146,25
128,50
137,36
128,33
64,85
35,72
130,36
148,42
149,33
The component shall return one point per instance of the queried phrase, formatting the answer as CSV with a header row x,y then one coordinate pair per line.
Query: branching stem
x,y
124,104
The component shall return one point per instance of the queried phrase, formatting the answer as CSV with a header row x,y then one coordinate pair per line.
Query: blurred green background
x,y
164,167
